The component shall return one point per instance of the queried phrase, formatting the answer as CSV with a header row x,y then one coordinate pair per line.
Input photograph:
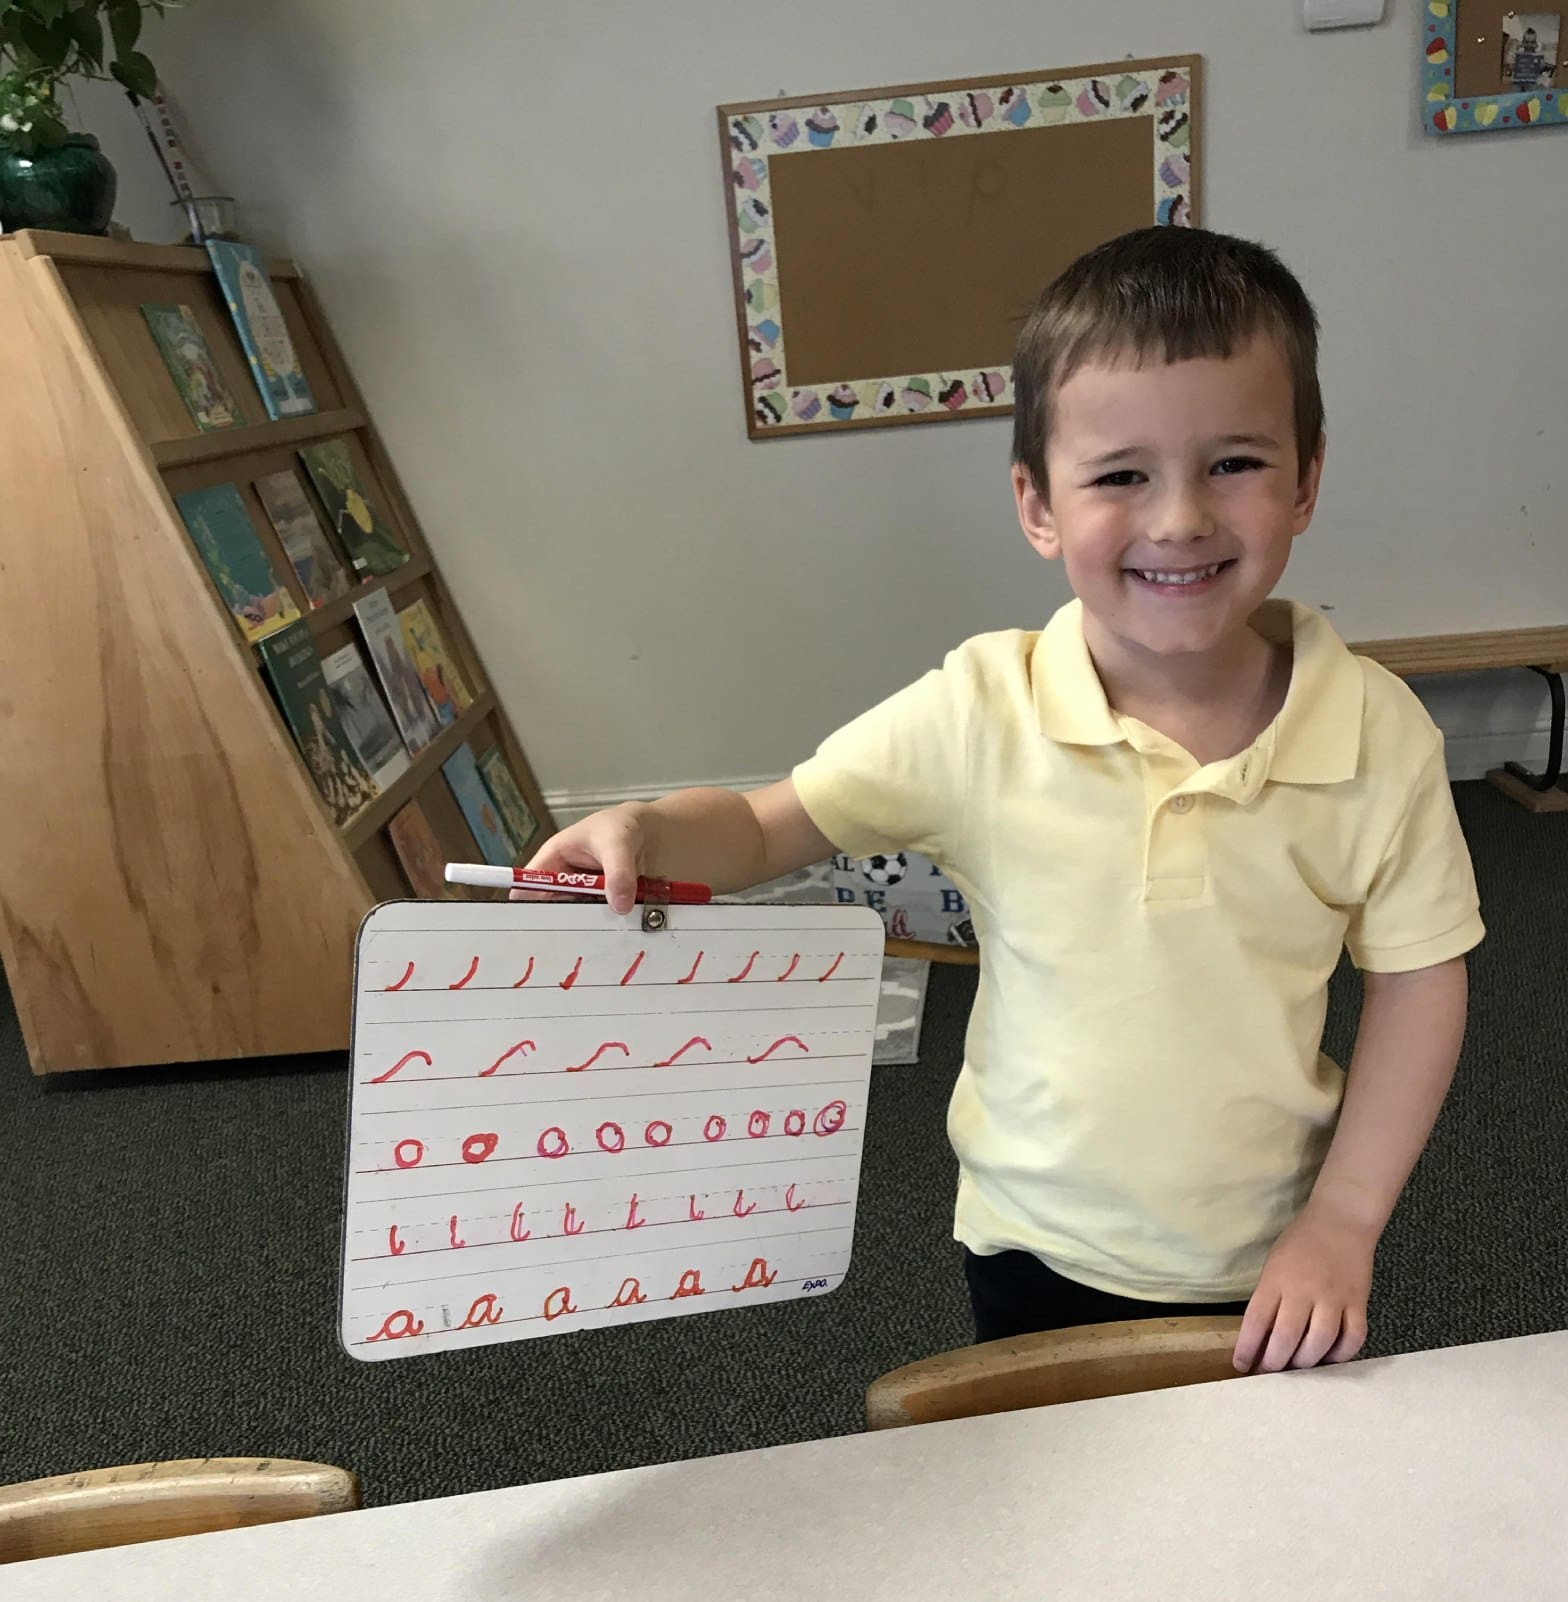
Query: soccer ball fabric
x,y
885,869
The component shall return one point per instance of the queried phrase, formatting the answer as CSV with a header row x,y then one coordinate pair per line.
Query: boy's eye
x,y
1123,478
1237,464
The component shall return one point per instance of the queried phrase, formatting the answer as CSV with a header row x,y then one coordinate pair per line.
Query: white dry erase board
x,y
560,1120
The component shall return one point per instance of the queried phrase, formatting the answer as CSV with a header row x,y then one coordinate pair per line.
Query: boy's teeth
x,y
1192,577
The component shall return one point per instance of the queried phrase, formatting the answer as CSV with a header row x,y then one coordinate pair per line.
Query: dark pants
x,y
1014,1293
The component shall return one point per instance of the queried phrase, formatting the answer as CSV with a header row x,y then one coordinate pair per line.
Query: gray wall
x,y
514,214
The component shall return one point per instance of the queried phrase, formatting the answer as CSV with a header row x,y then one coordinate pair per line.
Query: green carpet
x,y
169,1254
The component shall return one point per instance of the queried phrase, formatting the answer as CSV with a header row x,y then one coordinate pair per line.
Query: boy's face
x,y
1174,496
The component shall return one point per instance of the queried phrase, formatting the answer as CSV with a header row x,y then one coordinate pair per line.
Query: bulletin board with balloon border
x,y
1490,67
886,244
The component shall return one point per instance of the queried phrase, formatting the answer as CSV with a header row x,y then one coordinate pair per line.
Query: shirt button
x,y
1181,803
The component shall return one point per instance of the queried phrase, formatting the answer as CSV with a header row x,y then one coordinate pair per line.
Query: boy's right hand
x,y
609,842
723,838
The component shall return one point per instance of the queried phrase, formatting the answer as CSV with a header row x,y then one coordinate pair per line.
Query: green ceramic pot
x,y
70,188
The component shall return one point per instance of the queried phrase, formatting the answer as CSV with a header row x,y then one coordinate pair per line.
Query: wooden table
x,y
1431,1477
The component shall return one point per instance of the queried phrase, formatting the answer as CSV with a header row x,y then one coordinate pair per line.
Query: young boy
x,y
1169,810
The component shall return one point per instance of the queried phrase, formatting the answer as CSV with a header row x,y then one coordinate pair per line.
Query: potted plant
x,y
50,176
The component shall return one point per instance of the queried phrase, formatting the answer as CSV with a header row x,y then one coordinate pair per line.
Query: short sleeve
x,y
894,779
1422,908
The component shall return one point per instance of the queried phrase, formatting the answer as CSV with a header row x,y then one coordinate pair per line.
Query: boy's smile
x,y
1189,581
1174,492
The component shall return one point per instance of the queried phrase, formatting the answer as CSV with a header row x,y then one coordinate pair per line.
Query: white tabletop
x,y
1433,1477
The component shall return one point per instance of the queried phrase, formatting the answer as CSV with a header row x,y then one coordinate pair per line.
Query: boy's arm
x,y
896,772
1311,1302
723,838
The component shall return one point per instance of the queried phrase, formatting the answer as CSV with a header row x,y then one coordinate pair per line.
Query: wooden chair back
x,y
1066,1365
929,951
152,1501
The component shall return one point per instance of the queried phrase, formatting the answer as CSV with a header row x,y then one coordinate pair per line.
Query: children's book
x,y
484,817
520,822
416,719
561,1121
301,688
350,515
315,564
420,853
438,673
242,275
226,538
363,715
186,354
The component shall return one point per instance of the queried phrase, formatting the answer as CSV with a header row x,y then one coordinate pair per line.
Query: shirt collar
x,y
1315,739
1318,730
1068,696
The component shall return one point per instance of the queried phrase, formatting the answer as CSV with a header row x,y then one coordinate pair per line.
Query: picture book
x,y
226,538
520,822
315,564
301,688
242,275
559,1121
416,718
484,817
350,515
186,354
420,853
363,715
437,672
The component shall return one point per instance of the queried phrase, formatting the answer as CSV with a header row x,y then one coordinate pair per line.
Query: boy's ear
x,y
1306,501
1034,514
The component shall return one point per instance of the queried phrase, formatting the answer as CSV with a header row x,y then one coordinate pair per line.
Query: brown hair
x,y
1165,294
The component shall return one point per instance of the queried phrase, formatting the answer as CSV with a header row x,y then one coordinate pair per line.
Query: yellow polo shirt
x,y
1143,1103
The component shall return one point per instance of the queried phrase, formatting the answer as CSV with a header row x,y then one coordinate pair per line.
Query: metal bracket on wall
x,y
1554,754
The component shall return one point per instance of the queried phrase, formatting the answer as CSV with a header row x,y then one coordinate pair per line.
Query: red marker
x,y
674,891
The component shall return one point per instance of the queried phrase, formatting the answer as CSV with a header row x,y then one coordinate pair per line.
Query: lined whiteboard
x,y
560,1121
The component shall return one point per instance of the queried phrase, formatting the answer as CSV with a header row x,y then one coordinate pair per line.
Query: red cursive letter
x,y
757,1276
485,1310
397,1325
477,1147
830,1120
408,1057
511,1051
559,1301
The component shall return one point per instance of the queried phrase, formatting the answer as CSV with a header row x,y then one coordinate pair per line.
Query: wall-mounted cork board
x,y
887,243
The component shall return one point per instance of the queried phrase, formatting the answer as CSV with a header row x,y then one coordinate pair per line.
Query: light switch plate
x,y
1320,14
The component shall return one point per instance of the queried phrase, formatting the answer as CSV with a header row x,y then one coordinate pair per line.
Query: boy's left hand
x,y
1310,1306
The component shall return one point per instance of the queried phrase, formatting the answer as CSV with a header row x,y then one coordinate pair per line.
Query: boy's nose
x,y
1180,516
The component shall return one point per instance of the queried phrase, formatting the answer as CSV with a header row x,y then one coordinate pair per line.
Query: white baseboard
x,y
568,806
1473,756
1470,756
